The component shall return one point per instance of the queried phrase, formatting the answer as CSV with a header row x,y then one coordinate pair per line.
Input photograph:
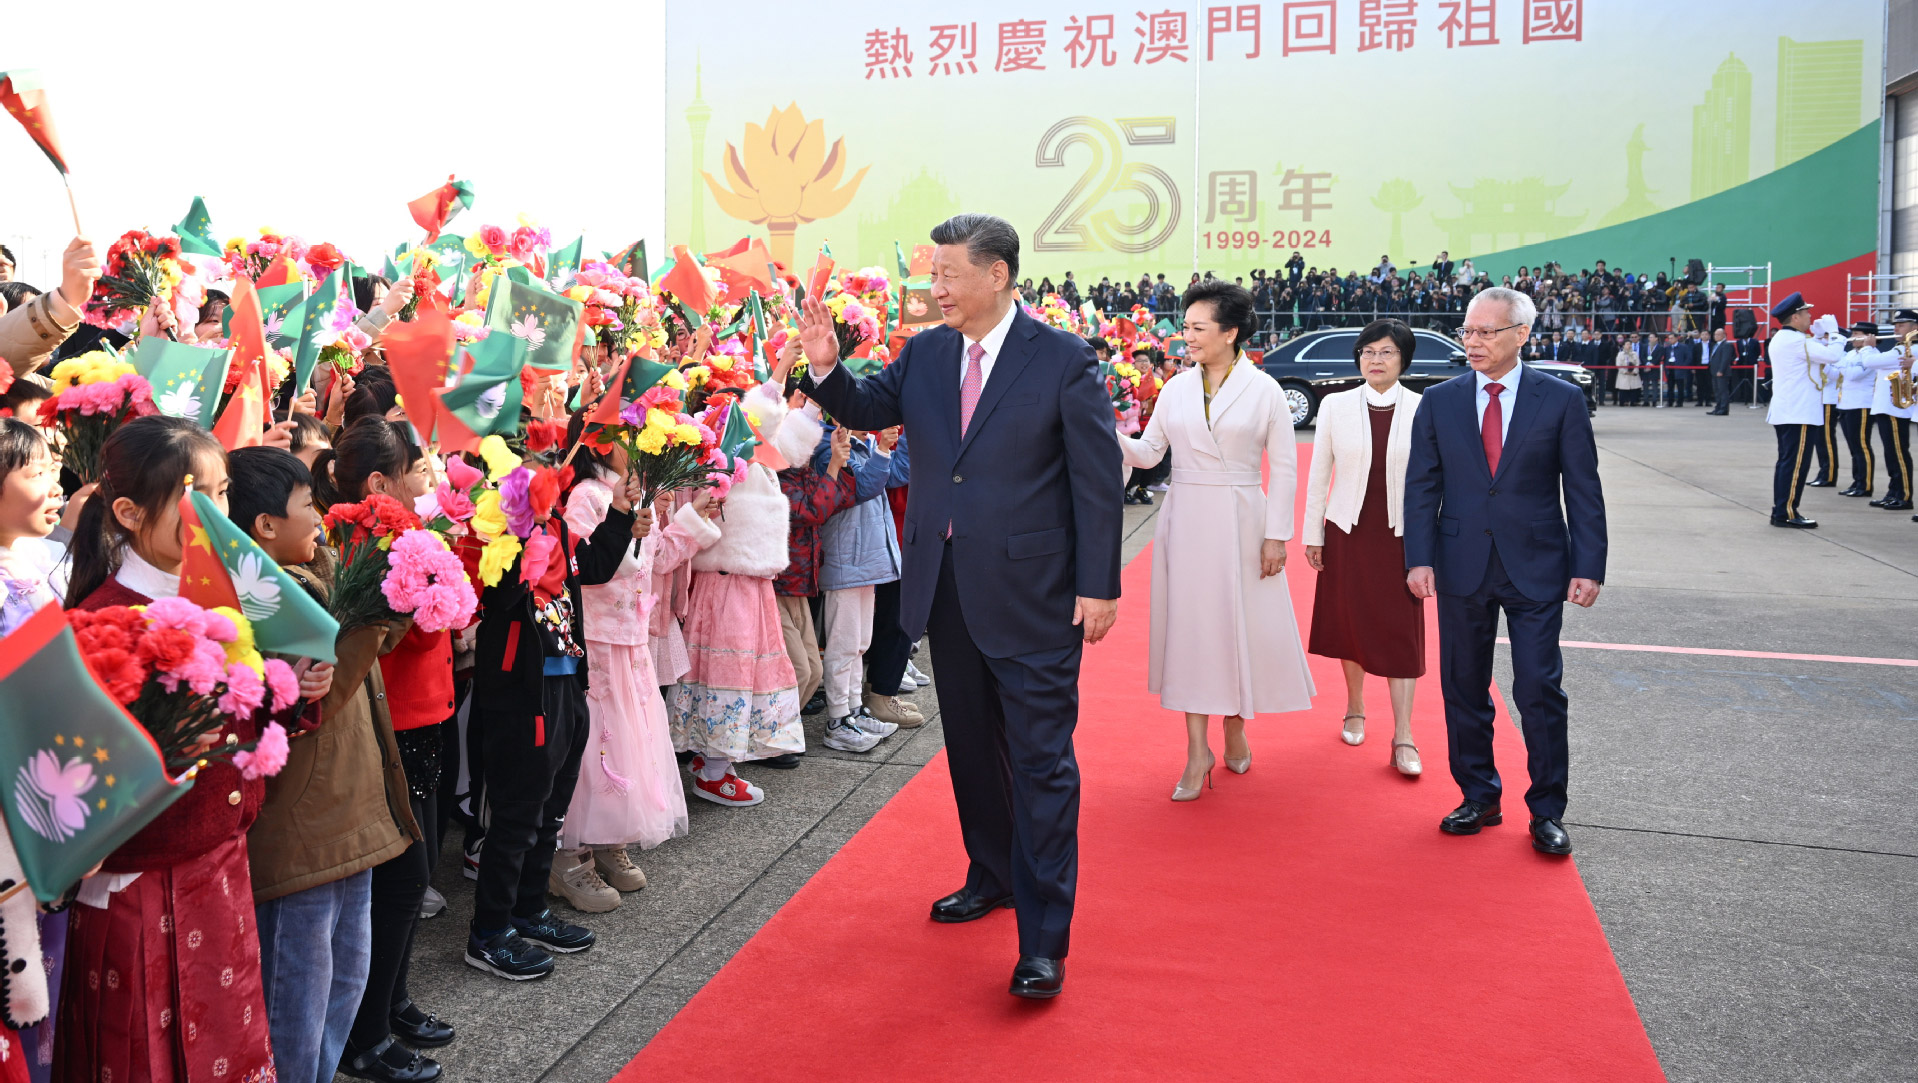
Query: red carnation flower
x,y
165,648
324,257
543,492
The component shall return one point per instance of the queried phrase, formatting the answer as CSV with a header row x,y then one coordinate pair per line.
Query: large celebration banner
x,y
1125,141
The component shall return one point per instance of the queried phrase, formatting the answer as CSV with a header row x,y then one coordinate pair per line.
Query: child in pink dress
x,y
739,701
629,790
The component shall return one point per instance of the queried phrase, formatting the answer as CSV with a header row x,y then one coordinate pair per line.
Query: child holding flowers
x,y
739,701
166,931
529,699
629,790
376,458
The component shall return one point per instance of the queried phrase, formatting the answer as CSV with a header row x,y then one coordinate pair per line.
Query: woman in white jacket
x,y
1362,613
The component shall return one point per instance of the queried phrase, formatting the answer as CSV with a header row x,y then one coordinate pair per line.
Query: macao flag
x,y
221,566
78,776
546,322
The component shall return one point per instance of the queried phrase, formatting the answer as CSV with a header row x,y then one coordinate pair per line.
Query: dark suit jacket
x,y
1034,492
1723,354
1455,509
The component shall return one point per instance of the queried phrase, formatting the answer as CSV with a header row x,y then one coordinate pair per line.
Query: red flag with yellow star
x,y
22,95
221,565
249,413
203,579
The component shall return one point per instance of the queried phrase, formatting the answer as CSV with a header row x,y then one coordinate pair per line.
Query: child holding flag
x,y
337,809
167,928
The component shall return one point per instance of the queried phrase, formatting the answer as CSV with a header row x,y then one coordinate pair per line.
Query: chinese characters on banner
x,y
1231,31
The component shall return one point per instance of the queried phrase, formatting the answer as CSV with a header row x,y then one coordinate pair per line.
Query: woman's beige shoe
x,y
1348,736
1239,766
616,866
1408,764
1180,793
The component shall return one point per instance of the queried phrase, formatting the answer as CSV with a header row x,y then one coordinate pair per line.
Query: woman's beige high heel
x,y
1348,736
1410,767
1180,793
1241,765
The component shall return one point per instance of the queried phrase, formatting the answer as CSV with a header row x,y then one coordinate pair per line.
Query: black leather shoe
x,y
968,905
1896,505
1038,979
1820,483
390,1062
1796,522
1854,491
420,1029
1549,837
1881,502
785,761
1470,816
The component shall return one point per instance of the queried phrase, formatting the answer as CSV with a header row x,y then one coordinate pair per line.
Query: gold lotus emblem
x,y
785,176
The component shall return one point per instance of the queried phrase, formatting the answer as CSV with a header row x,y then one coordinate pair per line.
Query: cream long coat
x,y
1224,641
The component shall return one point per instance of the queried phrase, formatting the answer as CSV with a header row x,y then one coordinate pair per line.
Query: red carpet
x,y
1306,921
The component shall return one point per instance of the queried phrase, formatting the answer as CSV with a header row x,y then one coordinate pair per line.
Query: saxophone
x,y
1903,394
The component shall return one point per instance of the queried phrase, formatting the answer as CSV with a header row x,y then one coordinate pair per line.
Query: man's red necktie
x,y
1491,429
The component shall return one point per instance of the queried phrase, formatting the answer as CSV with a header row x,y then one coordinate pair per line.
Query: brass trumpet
x,y
1903,393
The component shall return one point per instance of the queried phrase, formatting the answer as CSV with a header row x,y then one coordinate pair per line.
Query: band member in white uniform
x,y
1797,411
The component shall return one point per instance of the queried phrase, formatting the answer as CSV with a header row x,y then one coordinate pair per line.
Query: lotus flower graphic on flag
x,y
490,401
257,586
181,401
529,329
51,795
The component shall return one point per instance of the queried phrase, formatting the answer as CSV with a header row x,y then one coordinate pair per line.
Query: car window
x,y
1330,348
1433,349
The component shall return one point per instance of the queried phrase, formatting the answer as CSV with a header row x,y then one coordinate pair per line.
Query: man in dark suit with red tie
x,y
1485,531
1012,532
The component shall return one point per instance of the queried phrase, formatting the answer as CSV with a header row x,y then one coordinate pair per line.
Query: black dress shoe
x,y
1854,491
1820,483
1881,502
1896,505
1796,522
390,1062
968,905
785,761
1470,816
1038,979
419,1029
1549,837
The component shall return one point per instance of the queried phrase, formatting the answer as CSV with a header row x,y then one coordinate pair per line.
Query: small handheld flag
x,y
441,205
221,565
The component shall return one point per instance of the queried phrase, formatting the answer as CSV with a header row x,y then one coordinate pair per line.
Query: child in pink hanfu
x,y
739,701
629,791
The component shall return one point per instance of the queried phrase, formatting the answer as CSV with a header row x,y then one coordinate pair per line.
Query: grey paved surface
x,y
1746,827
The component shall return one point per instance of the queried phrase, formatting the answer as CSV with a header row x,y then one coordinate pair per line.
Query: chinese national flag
x,y
417,353
821,274
204,581
687,282
921,261
636,375
249,413
744,267
22,95
281,272
436,208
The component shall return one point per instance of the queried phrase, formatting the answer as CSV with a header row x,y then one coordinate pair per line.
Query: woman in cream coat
x,y
1224,640
1362,613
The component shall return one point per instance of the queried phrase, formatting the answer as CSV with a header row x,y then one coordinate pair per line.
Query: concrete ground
x,y
1746,827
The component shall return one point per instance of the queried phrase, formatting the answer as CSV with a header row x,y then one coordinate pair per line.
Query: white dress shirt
x,y
1509,382
994,341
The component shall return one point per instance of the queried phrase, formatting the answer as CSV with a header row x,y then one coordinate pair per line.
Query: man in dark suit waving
x,y
1491,453
1011,564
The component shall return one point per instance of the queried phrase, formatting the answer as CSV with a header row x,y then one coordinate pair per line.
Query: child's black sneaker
x,y
510,956
549,932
